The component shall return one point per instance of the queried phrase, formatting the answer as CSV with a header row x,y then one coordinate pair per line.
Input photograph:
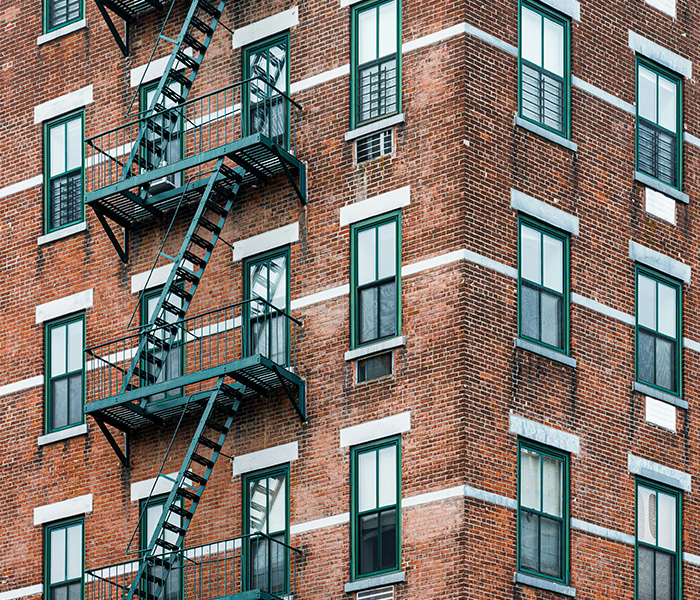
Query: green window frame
x,y
658,134
265,110
658,538
544,68
375,279
659,301
63,171
543,511
59,13
375,508
543,284
151,511
65,372
64,559
375,57
267,332
266,511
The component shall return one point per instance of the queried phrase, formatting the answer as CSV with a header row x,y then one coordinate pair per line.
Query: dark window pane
x,y
645,356
74,591
65,201
551,319
75,404
59,403
665,364
542,97
59,592
550,549
645,574
377,90
388,539
368,544
656,152
387,309
529,312
368,314
665,580
374,366
529,540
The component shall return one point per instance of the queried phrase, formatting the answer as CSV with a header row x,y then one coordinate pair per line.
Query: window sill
x,y
59,33
63,434
372,582
546,352
545,133
545,584
389,344
659,186
648,390
59,234
374,127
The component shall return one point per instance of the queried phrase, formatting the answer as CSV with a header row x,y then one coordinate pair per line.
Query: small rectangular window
x,y
658,542
64,168
544,67
659,139
375,366
543,290
58,13
659,299
152,511
65,557
65,341
376,486
543,520
375,145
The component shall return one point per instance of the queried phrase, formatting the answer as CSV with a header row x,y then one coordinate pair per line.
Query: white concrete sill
x,y
382,346
63,434
372,582
662,187
546,133
545,584
546,352
62,31
648,390
60,234
374,127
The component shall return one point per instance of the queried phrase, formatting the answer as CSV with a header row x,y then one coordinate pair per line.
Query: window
x,y
64,560
152,511
543,520
375,145
375,278
376,61
64,348
266,509
543,284
374,367
58,13
267,112
658,542
659,141
658,330
376,493
267,278
64,185
544,67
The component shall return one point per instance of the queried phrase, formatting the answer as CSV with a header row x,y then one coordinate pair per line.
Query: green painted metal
x,y
46,21
48,558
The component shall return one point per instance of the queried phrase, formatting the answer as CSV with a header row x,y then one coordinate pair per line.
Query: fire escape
x,y
200,152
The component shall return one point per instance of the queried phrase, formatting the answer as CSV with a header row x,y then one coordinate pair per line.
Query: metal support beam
x,y
122,454
123,43
288,173
295,404
248,382
120,248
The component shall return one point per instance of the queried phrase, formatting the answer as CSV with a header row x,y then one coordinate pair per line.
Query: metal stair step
x,y
167,545
210,443
171,308
187,494
159,561
141,374
194,259
148,576
197,23
173,95
207,224
216,207
187,60
157,342
216,426
174,528
187,275
165,325
202,460
180,77
153,359
192,476
194,43
201,242
160,131
183,512
181,292
210,8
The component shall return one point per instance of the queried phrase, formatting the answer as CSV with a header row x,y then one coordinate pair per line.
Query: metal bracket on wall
x,y
122,454
122,40
120,247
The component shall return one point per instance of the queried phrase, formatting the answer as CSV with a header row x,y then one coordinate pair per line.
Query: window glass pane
x,y
529,540
387,250
58,350
387,309
664,576
551,319
531,36
645,574
667,104
277,67
553,263
667,521
367,25
530,312
387,29
278,504
59,403
368,314
74,131
57,146
646,515
278,282
550,551
646,94
75,552
530,479
387,476
552,486
645,357
554,47
665,364
58,555
667,310
75,398
153,513
369,552
366,244
388,539
646,301
75,346
367,481
530,254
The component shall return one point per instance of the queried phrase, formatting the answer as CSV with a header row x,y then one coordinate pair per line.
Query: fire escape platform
x,y
128,9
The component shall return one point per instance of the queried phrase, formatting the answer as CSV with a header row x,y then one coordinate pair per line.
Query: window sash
x,y
61,584
64,172
62,12
65,388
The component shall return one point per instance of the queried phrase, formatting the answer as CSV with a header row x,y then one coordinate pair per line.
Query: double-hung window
x,y
64,166
64,560
152,511
65,341
658,557
659,138
266,510
266,65
375,279
58,13
543,519
543,285
659,299
376,60
544,67
376,492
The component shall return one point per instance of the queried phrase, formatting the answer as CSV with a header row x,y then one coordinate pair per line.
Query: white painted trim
x,y
266,27
377,205
345,3
63,434
340,519
59,33
661,473
374,127
544,212
433,38
23,592
603,95
661,55
323,296
158,276
544,434
266,241
603,309
63,104
63,306
604,532
153,70
375,430
20,386
428,497
60,234
660,262
488,263
319,79
432,263
571,8
82,505
262,459
21,186
389,344
490,497
141,490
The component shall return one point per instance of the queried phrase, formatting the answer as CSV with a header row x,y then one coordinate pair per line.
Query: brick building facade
x,y
443,339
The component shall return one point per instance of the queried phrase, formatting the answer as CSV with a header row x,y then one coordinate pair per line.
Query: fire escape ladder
x,y
162,333
167,541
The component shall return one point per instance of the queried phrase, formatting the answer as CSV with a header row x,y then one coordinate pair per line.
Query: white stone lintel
x,y
375,430
263,242
377,205
262,459
63,306
266,27
82,505
544,434
660,473
63,104
141,490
